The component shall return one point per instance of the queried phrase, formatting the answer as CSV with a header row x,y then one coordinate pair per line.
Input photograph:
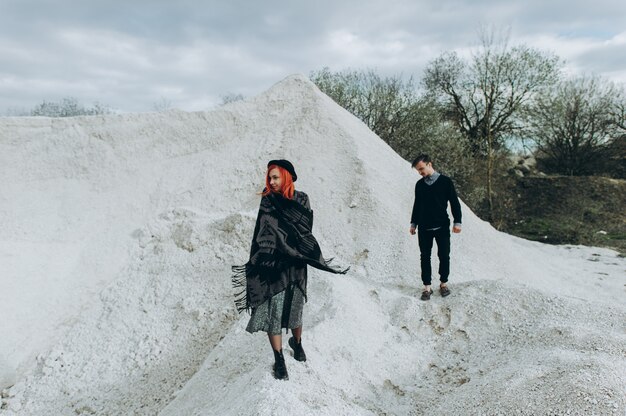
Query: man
x,y
430,216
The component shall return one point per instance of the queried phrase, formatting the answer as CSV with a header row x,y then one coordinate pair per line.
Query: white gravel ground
x,y
118,233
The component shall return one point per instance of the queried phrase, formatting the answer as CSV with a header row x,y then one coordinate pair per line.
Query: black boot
x,y
298,352
280,369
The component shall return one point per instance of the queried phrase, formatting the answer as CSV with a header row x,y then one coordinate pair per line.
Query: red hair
x,y
287,189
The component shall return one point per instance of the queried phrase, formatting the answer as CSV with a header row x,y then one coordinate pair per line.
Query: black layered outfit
x,y
430,216
272,284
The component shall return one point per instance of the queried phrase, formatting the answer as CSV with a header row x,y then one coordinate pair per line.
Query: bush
x,y
67,107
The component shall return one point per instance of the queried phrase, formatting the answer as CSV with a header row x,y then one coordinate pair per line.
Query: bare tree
x,y
483,95
384,104
574,123
619,112
162,105
231,97
411,124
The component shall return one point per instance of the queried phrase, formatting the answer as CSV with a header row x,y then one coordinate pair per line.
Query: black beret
x,y
285,164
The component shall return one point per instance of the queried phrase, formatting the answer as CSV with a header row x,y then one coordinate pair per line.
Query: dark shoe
x,y
444,291
280,369
298,352
426,294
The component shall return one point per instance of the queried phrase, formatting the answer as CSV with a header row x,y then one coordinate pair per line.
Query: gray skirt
x,y
283,310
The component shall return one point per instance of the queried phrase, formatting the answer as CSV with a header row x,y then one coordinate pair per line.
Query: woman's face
x,y
276,182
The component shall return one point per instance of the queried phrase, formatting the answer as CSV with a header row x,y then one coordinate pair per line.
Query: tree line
x,y
471,112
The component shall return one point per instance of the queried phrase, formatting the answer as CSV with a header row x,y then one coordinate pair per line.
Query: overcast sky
x,y
133,54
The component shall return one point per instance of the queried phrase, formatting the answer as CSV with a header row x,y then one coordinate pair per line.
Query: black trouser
x,y
442,236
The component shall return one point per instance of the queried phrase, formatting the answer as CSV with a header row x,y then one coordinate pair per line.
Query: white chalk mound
x,y
118,233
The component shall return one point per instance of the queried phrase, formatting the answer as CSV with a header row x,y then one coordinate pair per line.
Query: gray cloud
x,y
131,54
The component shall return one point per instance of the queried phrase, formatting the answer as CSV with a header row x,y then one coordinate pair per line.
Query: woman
x,y
273,282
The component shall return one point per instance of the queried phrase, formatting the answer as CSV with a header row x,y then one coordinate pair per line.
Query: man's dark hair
x,y
421,158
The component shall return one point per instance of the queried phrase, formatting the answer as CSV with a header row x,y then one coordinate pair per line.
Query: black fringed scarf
x,y
282,240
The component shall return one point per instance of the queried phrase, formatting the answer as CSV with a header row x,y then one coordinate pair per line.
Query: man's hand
x,y
412,230
456,229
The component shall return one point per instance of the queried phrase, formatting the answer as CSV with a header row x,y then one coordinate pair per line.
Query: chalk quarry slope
x,y
118,233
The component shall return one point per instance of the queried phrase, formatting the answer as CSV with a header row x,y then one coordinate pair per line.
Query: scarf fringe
x,y
239,284
282,238
335,268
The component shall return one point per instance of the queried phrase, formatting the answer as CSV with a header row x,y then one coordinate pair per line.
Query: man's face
x,y
424,169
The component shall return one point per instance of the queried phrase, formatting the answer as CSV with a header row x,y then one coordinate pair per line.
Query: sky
x,y
146,55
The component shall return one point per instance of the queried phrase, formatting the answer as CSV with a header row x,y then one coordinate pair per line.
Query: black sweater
x,y
431,204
